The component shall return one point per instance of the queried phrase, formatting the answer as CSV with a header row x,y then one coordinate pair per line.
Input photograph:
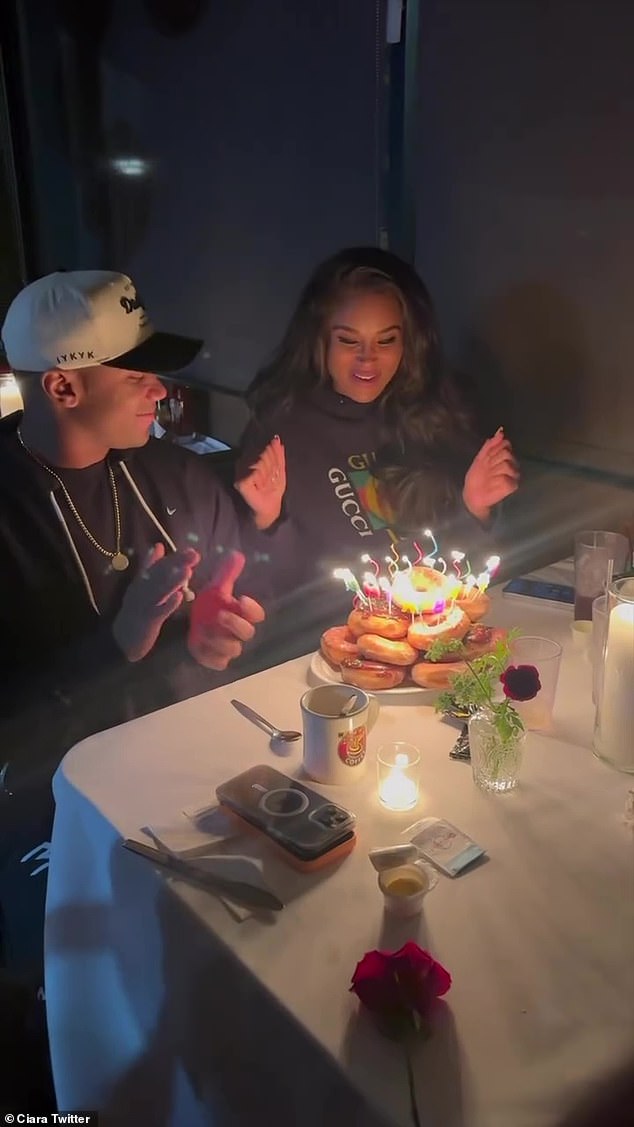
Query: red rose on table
x,y
399,987
521,682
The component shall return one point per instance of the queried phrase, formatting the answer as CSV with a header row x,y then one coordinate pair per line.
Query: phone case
x,y
309,828
337,853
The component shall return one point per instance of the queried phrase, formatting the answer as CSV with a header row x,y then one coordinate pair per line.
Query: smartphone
x,y
302,822
555,594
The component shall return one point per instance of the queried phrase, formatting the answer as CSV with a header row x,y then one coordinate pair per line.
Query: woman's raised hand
x,y
492,476
264,486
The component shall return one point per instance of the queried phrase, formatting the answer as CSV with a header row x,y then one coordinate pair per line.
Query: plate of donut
x,y
384,650
376,684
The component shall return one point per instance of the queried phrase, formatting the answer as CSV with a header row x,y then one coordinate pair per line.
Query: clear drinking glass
x,y
599,634
593,552
545,655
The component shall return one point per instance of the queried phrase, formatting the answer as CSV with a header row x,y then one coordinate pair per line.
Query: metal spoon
x,y
348,707
255,718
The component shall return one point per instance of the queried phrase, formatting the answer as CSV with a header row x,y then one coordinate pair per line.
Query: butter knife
x,y
249,895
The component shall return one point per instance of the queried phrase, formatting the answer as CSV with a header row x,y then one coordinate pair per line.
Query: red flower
x,y
521,682
399,986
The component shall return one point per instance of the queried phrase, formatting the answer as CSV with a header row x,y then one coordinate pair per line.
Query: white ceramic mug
x,y
334,745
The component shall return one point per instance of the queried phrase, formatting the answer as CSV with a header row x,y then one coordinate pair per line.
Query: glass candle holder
x,y
398,771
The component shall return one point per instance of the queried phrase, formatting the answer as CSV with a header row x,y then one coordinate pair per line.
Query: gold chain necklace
x,y
118,558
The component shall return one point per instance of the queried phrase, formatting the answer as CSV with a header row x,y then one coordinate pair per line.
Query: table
x,y
155,993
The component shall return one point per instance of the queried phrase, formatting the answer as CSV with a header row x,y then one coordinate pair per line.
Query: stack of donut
x,y
384,646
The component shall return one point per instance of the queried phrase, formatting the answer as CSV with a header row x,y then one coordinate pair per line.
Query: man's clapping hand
x,y
151,599
221,623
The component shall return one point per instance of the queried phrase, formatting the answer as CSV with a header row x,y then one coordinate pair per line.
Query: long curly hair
x,y
428,430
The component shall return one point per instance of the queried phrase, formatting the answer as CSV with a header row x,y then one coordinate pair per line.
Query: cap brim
x,y
160,353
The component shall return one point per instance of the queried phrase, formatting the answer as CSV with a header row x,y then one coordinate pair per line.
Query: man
x,y
105,538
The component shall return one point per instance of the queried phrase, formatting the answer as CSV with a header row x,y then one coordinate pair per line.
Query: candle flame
x,y
483,580
351,583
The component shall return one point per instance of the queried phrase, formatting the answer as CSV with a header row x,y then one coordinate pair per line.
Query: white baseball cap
x,y
81,318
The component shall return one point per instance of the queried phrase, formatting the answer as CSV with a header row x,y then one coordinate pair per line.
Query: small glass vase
x,y
495,762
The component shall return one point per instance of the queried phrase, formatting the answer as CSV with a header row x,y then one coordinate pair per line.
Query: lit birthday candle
x,y
469,585
485,577
403,580
492,565
386,588
392,567
371,588
456,559
351,583
430,536
452,587
373,564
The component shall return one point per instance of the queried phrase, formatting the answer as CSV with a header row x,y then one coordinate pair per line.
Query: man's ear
x,y
64,388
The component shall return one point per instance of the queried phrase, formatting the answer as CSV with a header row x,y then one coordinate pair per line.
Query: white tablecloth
x,y
155,993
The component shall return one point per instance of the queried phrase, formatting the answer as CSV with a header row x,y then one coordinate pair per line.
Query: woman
x,y
379,442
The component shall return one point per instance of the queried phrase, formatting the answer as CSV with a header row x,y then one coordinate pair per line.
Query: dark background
x,y
217,149
525,191
214,150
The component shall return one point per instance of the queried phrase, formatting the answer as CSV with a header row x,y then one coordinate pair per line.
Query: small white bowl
x,y
404,888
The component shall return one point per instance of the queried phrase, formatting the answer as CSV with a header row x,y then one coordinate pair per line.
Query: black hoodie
x,y
334,514
62,676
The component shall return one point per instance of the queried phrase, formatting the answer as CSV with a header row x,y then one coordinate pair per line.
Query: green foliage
x,y
440,649
475,687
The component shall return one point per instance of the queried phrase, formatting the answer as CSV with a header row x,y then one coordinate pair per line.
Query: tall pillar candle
x,y
614,733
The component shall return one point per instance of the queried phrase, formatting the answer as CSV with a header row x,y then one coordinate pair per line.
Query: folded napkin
x,y
200,835
195,831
